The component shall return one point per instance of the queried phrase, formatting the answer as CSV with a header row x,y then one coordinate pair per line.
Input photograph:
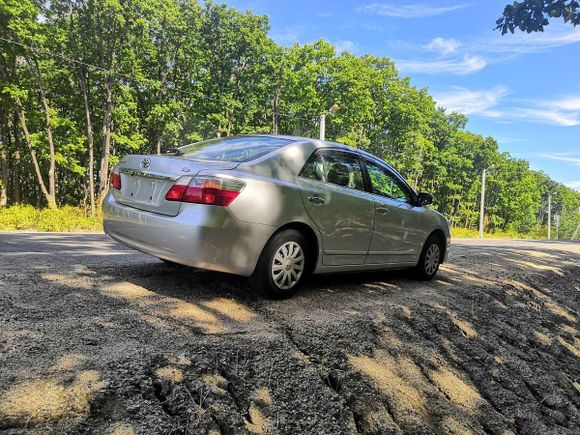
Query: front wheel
x,y
282,265
430,259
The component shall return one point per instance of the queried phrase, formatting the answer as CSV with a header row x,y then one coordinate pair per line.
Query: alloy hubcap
x,y
287,265
432,259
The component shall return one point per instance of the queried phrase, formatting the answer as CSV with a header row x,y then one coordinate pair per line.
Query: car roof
x,y
328,144
317,142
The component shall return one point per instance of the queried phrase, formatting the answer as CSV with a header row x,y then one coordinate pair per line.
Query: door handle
x,y
316,200
383,210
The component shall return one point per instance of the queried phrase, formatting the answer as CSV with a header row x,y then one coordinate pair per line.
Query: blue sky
x,y
524,90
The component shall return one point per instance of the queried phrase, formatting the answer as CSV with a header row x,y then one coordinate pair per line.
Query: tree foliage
x,y
533,15
84,82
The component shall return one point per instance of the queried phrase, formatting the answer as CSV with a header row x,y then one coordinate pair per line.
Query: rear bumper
x,y
201,236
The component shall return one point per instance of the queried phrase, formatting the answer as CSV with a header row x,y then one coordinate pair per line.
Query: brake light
x,y
178,189
115,179
205,190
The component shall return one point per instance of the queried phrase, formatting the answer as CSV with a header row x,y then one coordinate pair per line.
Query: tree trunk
x,y
4,169
90,141
50,199
106,148
4,153
158,143
16,165
52,160
275,114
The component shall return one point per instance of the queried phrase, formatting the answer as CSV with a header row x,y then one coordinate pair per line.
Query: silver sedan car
x,y
274,208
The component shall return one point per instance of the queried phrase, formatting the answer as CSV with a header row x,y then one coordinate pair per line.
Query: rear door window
x,y
334,167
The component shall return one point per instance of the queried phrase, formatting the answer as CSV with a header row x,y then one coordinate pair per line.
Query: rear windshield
x,y
233,149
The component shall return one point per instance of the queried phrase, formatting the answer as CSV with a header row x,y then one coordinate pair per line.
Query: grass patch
x,y
71,219
65,219
469,233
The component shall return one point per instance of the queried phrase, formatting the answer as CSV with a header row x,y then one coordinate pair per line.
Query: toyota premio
x,y
274,209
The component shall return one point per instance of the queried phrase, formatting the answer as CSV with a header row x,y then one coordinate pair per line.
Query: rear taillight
x,y
115,179
205,190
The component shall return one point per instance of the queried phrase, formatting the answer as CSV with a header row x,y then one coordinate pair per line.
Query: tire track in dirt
x,y
490,347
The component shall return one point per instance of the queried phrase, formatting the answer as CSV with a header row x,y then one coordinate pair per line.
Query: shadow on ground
x,y
98,339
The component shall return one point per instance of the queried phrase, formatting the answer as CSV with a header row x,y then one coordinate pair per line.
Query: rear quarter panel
x,y
271,195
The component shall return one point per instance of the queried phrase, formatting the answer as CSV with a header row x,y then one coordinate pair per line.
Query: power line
x,y
131,77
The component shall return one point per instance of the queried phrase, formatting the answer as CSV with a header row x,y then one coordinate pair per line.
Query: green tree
x,y
533,15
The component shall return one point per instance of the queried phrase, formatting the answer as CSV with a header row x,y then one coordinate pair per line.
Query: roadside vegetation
x,y
68,218
83,83
63,219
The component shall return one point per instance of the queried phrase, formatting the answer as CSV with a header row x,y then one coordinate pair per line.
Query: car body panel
x,y
397,237
350,234
344,219
205,237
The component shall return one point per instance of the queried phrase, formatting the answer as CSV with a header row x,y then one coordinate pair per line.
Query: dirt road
x,y
95,338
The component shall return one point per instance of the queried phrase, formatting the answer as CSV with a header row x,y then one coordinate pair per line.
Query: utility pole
x,y
333,109
482,205
549,216
322,126
575,232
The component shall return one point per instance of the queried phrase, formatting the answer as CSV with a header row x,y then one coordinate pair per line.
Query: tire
x,y
430,259
282,266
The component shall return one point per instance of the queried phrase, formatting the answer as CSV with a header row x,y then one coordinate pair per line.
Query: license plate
x,y
143,189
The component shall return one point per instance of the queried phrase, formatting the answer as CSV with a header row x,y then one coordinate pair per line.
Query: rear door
x,y
397,236
332,189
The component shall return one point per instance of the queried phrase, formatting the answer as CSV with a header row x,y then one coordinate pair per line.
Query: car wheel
x,y
430,259
282,266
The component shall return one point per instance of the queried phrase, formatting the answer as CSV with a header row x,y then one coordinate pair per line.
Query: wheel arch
x,y
311,236
440,235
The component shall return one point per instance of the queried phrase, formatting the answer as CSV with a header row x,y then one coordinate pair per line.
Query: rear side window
x,y
334,167
233,149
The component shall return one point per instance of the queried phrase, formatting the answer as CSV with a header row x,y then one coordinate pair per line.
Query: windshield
x,y
233,149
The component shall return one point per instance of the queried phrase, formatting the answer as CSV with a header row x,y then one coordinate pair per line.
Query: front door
x,y
332,189
397,236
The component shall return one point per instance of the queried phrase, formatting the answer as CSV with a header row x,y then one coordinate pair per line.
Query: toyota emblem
x,y
146,162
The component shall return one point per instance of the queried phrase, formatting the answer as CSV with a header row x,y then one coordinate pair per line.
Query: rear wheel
x,y
430,259
282,265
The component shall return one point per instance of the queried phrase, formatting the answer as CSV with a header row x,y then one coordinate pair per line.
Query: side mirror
x,y
424,198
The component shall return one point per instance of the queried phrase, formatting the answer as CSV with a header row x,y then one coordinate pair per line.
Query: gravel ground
x,y
96,338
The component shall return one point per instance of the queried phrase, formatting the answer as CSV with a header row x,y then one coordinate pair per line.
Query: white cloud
x,y
501,139
290,35
573,185
569,103
407,11
474,55
563,157
471,102
466,65
374,27
547,116
443,46
524,43
563,112
344,45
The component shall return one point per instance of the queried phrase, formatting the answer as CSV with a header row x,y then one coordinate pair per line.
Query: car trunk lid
x,y
145,180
